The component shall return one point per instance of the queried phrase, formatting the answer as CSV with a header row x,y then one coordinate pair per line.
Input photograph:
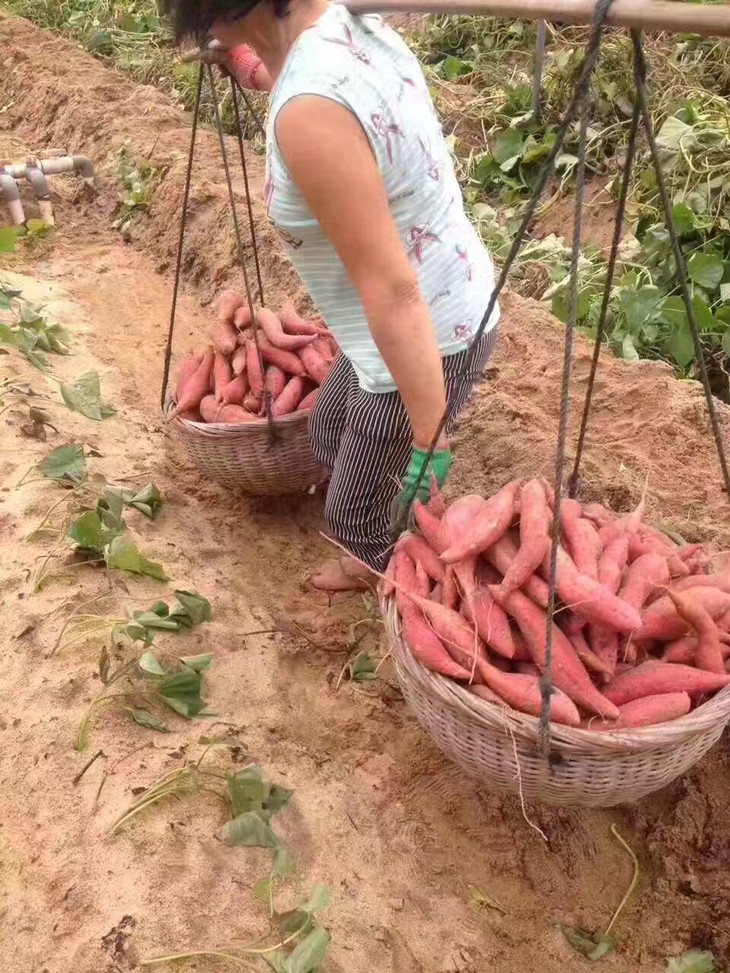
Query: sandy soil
x,y
396,832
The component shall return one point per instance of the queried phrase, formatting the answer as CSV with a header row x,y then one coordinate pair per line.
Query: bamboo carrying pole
x,y
673,16
708,20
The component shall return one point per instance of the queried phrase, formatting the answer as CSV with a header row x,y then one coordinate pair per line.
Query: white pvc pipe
x,y
9,189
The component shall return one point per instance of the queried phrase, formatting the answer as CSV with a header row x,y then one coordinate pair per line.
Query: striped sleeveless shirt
x,y
365,66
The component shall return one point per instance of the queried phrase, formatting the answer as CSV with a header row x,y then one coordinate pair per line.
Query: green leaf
x,y
453,67
362,668
593,946
642,306
674,312
110,508
148,501
508,148
317,900
181,692
684,219
149,720
148,663
277,961
88,532
673,133
123,555
692,962
84,396
703,315
706,269
198,663
277,798
310,953
192,609
681,346
628,349
248,830
246,791
8,235
65,462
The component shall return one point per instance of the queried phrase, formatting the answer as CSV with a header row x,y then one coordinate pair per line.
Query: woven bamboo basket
x,y
499,746
244,457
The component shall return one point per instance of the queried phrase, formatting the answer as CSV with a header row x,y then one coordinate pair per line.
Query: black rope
x,y
640,80
251,110
239,242
583,95
181,239
249,205
610,273
589,63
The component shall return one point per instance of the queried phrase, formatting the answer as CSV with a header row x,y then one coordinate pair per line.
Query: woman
x,y
361,186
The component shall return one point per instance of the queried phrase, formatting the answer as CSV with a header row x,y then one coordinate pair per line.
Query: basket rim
x,y
527,728
227,429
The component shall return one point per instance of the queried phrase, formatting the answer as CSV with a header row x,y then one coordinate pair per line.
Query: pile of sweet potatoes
x,y
226,383
641,632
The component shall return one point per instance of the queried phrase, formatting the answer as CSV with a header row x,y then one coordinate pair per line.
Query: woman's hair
x,y
194,18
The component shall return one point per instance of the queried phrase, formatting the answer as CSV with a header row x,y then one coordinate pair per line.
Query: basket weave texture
x,y
244,456
500,747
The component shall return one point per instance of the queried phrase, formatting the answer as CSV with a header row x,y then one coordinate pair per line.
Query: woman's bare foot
x,y
343,574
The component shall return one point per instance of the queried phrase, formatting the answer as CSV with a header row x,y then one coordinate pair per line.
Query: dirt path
x,y
396,832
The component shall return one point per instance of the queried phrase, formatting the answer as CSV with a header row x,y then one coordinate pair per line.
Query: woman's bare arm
x,y
332,163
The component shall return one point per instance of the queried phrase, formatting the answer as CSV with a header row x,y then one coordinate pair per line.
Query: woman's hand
x,y
330,160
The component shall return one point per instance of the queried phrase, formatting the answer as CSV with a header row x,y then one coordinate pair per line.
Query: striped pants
x,y
364,440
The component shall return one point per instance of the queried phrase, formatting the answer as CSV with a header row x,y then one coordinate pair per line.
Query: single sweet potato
x,y
186,369
502,554
591,600
428,648
308,401
272,328
708,654
647,711
274,381
534,538
238,361
428,524
490,524
294,323
235,390
421,552
314,364
286,360
662,622
654,678
221,375
228,303
289,398
522,692
253,370
196,387
457,518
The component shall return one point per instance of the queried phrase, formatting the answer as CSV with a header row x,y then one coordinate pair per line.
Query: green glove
x,y
438,467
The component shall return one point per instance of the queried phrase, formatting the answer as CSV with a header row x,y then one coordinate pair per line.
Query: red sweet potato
x,y
588,657
235,390
223,335
460,639
490,524
583,542
501,555
662,622
604,645
568,672
272,328
450,590
214,411
654,678
423,581
534,538
252,403
405,580
228,303
196,387
286,360
708,654
612,562
522,692
421,552
436,501
428,648
648,711
484,692
719,579
314,364
647,574
187,368
238,361
253,370
242,318
387,587
599,514
643,543
324,349
290,397
274,381
221,375
591,600
457,518
294,323
428,524
491,622
308,401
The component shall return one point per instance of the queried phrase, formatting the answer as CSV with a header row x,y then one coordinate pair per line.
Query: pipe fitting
x,y
38,181
9,189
